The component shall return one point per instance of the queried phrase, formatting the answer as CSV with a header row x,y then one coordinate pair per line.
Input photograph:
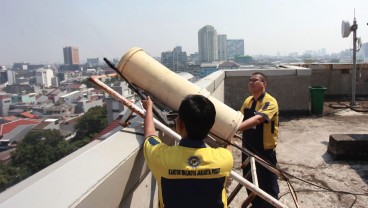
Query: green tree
x,y
38,150
87,83
90,124
8,176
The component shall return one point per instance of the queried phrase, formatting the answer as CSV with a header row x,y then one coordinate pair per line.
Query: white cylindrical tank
x,y
170,88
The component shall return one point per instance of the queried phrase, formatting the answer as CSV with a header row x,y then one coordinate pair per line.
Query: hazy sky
x,y
35,31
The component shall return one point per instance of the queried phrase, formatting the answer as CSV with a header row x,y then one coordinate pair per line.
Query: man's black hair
x,y
263,76
198,115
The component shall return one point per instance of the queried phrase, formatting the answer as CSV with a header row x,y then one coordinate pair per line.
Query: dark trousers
x,y
267,180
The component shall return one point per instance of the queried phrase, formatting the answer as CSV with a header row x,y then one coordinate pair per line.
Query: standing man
x,y
260,131
191,174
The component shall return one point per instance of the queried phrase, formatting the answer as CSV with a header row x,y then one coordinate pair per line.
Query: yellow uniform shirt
x,y
189,175
267,132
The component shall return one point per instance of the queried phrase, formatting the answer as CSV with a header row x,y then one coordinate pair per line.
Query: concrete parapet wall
x,y
290,86
214,83
337,78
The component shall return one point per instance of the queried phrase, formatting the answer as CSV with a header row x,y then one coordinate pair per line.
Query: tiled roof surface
x,y
110,127
73,86
10,118
28,115
41,125
8,127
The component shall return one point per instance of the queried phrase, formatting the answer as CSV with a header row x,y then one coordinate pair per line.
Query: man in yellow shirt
x,y
190,174
260,132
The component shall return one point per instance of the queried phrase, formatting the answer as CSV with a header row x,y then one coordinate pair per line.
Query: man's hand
x,y
147,104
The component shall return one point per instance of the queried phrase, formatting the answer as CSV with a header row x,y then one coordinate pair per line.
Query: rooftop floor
x,y
302,152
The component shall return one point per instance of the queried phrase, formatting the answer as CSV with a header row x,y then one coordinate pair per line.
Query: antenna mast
x,y
354,28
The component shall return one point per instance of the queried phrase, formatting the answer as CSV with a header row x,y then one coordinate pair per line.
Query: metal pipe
x,y
177,137
354,28
253,171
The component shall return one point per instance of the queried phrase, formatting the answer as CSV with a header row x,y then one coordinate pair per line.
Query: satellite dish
x,y
345,29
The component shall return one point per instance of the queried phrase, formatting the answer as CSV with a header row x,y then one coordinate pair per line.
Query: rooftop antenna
x,y
346,29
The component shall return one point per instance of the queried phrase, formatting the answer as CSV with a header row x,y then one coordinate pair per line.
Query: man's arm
x,y
251,122
149,126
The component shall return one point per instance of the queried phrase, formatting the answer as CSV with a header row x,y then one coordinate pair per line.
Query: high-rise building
x,y
207,44
235,47
71,55
175,60
222,47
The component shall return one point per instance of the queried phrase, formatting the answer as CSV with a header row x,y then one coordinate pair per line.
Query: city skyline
x,y
37,31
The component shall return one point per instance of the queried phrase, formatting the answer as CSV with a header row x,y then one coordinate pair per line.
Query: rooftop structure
x,y
110,171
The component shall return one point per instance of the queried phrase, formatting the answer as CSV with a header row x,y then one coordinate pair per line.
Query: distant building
x,y
83,105
90,71
364,51
20,66
22,80
70,98
5,101
229,65
207,44
32,67
76,87
17,130
25,98
235,47
55,95
222,47
11,76
93,61
20,88
67,67
55,111
114,107
61,76
3,75
51,123
55,81
206,69
244,59
44,77
71,55
175,60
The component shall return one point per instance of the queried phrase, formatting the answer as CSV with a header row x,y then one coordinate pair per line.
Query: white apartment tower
x,y
222,47
11,76
44,77
207,44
